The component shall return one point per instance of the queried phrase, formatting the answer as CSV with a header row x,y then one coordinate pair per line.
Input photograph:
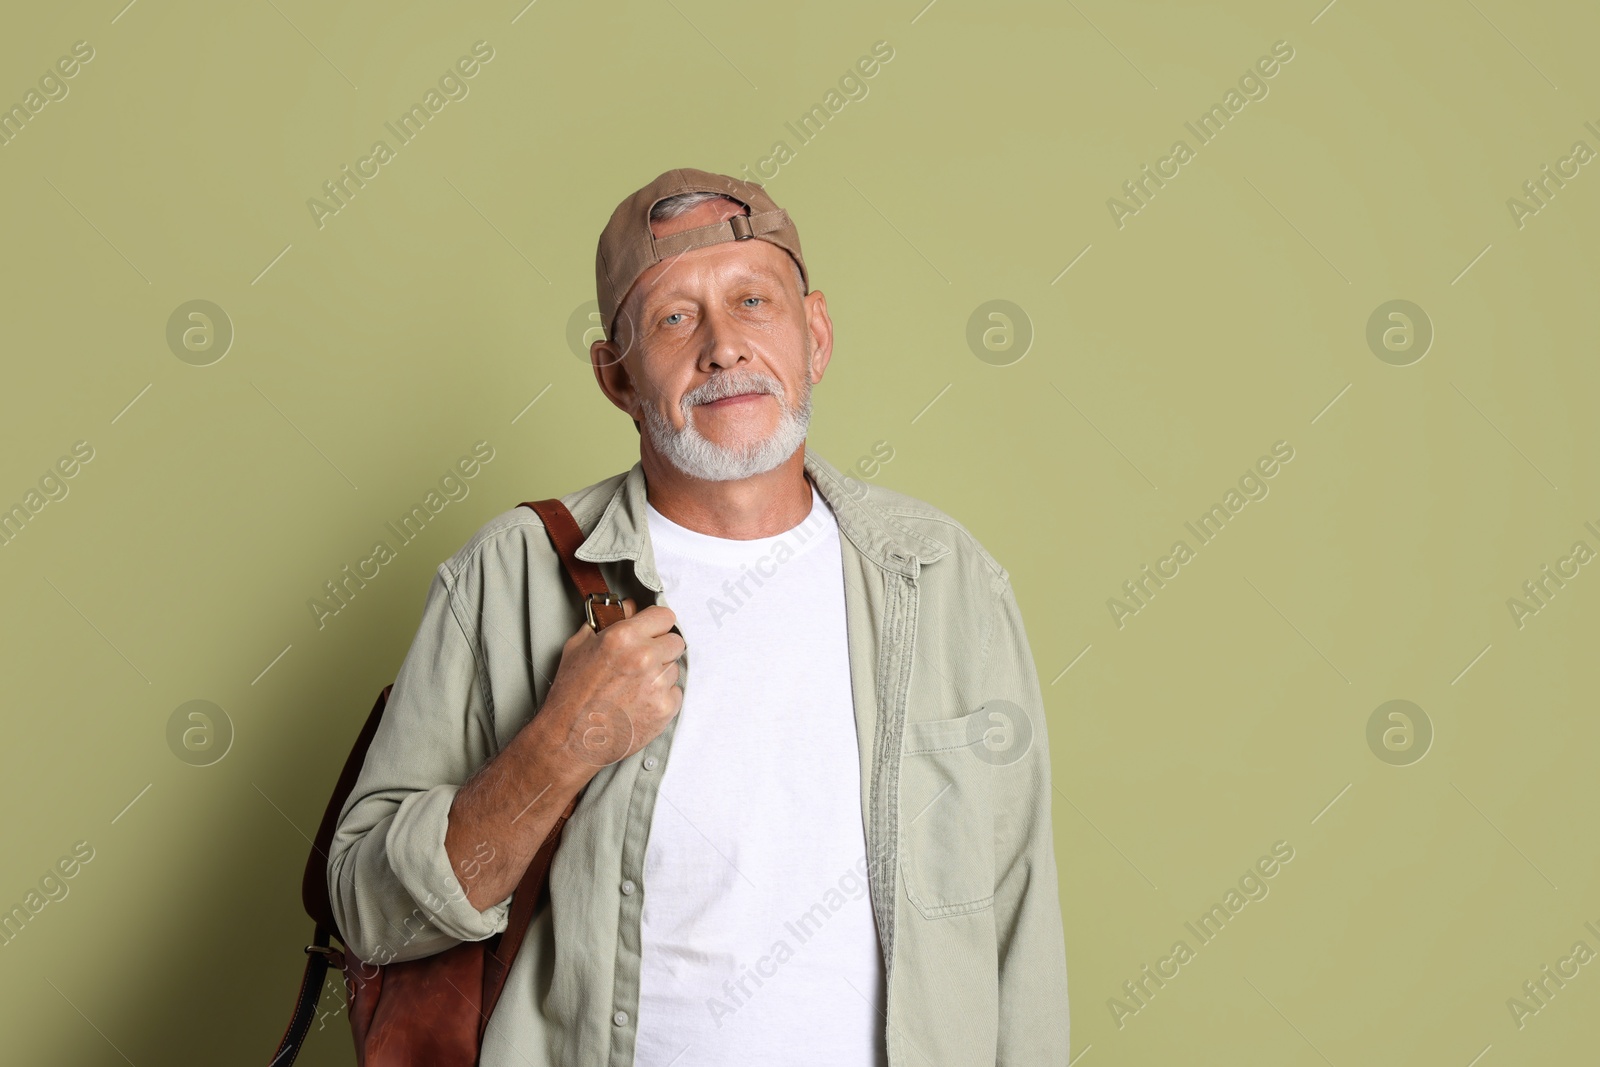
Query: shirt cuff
x,y
419,860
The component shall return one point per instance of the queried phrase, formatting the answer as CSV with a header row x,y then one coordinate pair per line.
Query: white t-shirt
x,y
757,939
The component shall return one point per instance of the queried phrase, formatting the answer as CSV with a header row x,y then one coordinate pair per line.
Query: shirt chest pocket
x,y
947,817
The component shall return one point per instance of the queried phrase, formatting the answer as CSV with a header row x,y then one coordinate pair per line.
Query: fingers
x,y
675,642
655,620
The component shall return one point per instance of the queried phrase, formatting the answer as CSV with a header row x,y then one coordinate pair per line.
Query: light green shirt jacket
x,y
955,787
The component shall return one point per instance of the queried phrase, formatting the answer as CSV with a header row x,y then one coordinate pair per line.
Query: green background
x,y
1230,313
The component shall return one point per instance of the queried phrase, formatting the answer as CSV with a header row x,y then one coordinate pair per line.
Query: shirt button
x,y
620,1018
627,887
650,763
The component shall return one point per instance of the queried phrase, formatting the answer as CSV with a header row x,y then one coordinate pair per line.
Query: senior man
x,y
834,846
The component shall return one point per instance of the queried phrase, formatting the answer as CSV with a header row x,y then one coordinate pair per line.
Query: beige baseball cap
x,y
628,248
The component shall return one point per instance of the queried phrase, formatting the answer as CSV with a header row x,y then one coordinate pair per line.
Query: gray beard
x,y
693,454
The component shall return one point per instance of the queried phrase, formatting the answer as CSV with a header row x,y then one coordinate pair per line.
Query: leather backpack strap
x,y
566,535
305,1002
314,892
314,884
603,608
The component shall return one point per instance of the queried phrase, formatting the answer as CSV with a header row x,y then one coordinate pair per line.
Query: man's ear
x,y
612,374
819,328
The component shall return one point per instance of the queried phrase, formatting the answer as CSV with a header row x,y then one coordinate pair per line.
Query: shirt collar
x,y
623,529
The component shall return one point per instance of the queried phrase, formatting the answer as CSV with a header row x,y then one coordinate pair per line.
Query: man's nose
x,y
724,342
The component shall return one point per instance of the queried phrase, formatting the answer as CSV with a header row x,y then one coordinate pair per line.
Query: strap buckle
x,y
606,598
740,224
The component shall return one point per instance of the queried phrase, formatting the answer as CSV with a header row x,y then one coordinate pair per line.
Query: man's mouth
x,y
731,400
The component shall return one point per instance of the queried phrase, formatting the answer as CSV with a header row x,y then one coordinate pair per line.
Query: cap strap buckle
x,y
742,226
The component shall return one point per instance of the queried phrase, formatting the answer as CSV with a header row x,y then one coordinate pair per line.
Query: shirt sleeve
x,y
1034,1025
394,893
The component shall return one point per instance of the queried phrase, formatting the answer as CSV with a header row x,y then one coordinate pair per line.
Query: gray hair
x,y
683,203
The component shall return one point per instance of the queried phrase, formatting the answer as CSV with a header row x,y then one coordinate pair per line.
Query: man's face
x,y
716,353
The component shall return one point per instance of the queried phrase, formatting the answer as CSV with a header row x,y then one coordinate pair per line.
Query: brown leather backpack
x,y
431,1010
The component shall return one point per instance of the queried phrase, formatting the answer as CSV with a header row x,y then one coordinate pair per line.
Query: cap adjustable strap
x,y
739,226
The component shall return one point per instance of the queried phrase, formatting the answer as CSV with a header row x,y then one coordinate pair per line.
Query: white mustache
x,y
709,392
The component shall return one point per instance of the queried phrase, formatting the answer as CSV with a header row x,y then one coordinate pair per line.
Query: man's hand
x,y
616,690
613,693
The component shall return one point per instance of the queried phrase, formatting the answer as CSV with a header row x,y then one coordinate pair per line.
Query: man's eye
x,y
757,299
668,320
